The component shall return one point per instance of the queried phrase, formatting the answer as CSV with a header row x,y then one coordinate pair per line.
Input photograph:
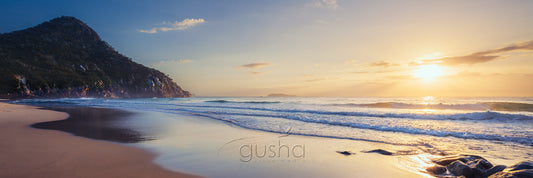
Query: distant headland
x,y
280,95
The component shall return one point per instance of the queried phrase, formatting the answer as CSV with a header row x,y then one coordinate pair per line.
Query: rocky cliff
x,y
66,58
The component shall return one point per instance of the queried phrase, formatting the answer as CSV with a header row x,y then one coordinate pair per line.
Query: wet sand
x,y
30,152
197,145
214,148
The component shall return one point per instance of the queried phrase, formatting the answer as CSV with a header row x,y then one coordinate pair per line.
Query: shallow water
x,y
497,128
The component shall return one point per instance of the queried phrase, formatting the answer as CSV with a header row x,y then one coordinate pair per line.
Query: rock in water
x,y
436,170
66,58
380,151
493,170
520,170
521,165
463,158
478,167
458,168
346,153
525,173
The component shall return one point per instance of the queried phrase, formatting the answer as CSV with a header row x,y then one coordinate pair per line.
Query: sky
x,y
313,47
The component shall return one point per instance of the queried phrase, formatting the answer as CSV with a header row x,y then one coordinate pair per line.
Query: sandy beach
x,y
30,152
184,144
146,138
213,148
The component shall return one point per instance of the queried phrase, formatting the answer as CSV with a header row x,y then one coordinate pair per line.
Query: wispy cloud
x,y
176,25
256,65
482,56
326,4
315,79
382,64
259,72
171,62
374,72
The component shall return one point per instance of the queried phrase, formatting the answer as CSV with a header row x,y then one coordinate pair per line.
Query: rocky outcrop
x,y
66,58
472,166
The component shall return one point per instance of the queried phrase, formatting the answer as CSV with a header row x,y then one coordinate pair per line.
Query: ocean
x,y
498,128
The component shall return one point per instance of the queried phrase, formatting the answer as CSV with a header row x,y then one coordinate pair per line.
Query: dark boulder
x,y
524,173
459,168
346,153
479,166
380,151
446,160
493,170
521,165
436,170
502,175
463,158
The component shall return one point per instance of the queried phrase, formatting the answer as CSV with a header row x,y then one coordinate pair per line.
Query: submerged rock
x,y
493,170
480,164
459,168
520,170
521,165
347,153
380,151
525,173
436,170
463,158
446,160
478,167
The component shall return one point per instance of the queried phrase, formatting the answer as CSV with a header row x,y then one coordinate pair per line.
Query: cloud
x,y
374,72
315,79
259,72
170,26
171,62
326,4
382,64
482,56
256,65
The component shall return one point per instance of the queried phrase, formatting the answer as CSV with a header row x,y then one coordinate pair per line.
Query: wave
x,y
229,117
43,101
333,118
474,116
488,115
493,106
246,102
508,106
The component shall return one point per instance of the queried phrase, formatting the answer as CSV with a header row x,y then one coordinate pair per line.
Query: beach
x,y
197,145
288,137
213,148
31,152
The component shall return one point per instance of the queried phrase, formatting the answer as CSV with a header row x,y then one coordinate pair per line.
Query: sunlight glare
x,y
429,72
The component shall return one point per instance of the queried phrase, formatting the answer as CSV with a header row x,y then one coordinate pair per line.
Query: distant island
x,y
66,58
279,95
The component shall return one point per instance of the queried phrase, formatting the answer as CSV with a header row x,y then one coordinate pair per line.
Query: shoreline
x,y
31,152
193,144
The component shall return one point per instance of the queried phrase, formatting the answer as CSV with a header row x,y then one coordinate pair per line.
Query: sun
x,y
428,72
